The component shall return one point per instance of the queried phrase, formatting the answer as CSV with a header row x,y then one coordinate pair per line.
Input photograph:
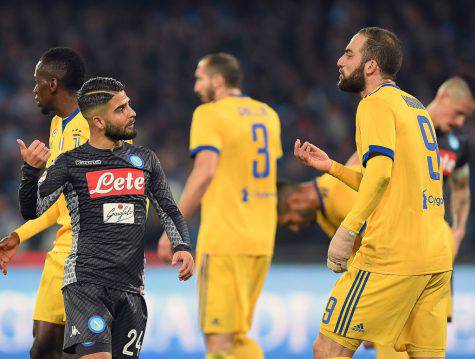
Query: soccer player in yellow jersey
x,y
327,201
59,74
235,143
396,289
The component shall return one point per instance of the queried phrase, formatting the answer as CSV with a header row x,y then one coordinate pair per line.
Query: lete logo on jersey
x,y
115,182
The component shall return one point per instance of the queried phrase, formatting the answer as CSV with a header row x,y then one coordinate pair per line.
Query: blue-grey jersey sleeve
x,y
37,193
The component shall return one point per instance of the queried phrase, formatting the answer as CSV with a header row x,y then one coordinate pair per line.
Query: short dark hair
x,y
97,92
384,47
284,188
65,64
227,66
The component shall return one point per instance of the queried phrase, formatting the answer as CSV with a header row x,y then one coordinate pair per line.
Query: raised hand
x,y
312,156
36,154
187,264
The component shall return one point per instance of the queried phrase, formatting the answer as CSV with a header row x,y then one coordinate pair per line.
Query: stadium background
x,y
288,50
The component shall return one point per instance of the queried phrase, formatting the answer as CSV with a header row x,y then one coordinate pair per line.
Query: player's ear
x,y
98,121
53,85
218,80
370,67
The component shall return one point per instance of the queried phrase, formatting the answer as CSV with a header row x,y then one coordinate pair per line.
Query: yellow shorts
x,y
388,352
49,305
406,312
228,288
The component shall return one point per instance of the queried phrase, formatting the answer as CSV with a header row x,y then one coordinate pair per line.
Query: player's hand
x,y
36,154
8,247
312,156
164,249
340,249
368,345
187,264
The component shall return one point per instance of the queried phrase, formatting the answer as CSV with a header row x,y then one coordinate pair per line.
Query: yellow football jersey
x,y
239,208
336,200
406,232
65,135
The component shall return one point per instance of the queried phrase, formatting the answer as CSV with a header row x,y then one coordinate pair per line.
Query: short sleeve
x,y
377,128
205,133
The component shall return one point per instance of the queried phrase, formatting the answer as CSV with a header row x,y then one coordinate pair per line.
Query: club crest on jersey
x,y
136,161
115,182
96,324
453,141
55,132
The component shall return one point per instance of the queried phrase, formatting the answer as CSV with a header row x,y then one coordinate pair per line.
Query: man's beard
x,y
119,134
355,82
208,95
47,110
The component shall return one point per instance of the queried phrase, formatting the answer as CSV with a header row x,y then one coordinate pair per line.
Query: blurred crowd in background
x,y
288,50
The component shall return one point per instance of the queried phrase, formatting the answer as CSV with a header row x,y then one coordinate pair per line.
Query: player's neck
x,y
99,141
65,106
373,83
226,92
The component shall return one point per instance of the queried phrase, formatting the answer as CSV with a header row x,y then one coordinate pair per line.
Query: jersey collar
x,y
380,87
69,118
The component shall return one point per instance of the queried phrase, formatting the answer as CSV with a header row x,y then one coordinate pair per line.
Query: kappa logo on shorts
x,y
88,344
96,324
74,331
358,328
216,322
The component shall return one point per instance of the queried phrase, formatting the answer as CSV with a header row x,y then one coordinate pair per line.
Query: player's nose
x,y
339,63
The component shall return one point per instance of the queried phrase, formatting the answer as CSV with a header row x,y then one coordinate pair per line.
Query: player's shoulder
x,y
206,109
390,96
266,107
457,140
137,153
80,120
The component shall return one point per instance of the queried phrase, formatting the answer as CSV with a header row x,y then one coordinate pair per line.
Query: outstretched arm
x,y
32,227
9,245
314,157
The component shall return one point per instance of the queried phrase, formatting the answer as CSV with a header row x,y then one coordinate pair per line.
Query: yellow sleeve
x,y
377,126
37,225
372,187
205,131
346,174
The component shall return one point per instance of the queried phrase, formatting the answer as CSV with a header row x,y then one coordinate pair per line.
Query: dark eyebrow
x,y
348,51
120,106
